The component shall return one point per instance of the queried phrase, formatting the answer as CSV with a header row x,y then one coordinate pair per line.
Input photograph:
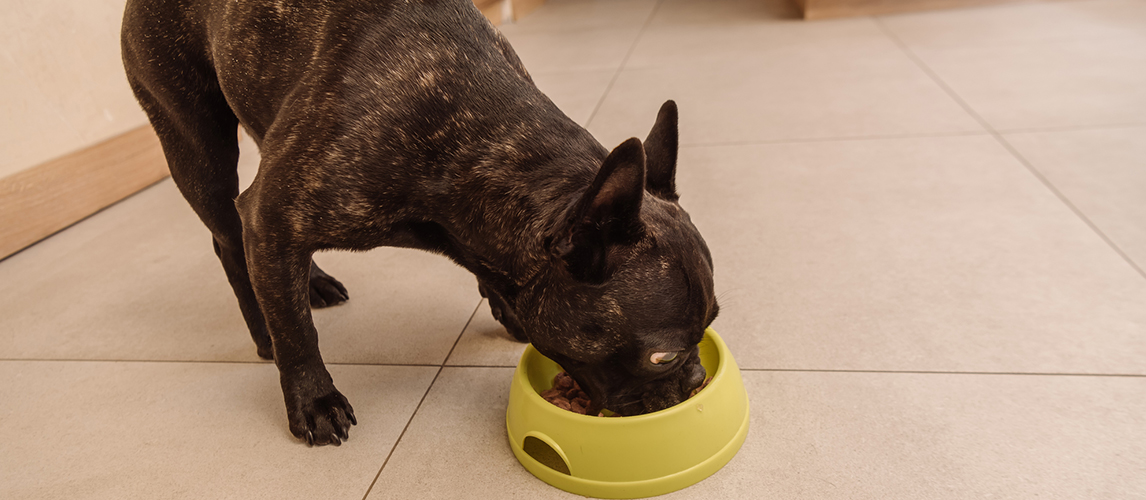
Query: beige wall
x,y
62,86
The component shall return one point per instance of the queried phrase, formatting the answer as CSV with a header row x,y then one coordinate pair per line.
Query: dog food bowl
x,y
628,457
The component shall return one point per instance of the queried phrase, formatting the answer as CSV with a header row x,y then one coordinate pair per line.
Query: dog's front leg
x,y
280,273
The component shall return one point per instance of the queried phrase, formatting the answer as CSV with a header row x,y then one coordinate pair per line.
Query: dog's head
x,y
630,291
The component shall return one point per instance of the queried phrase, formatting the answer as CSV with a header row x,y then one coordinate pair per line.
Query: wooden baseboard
x,y
37,202
822,9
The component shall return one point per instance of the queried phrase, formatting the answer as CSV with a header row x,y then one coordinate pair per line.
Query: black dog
x,y
412,123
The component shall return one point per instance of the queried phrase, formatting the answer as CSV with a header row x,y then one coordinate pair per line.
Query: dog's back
x,y
421,97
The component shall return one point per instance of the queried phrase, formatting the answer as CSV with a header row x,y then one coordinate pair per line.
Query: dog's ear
x,y
607,214
660,154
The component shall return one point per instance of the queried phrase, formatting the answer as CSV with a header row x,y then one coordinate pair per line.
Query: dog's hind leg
x,y
175,83
198,135
197,130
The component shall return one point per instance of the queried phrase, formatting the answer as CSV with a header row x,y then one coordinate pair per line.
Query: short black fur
x,y
414,124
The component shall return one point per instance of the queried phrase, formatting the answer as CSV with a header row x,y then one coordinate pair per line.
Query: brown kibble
x,y
567,395
702,386
563,381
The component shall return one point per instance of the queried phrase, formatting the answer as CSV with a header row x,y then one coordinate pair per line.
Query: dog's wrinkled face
x,y
631,341
631,290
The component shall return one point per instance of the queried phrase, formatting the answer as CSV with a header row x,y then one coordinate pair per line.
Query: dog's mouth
x,y
648,397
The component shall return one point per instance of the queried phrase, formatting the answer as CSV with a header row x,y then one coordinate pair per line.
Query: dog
x,y
412,123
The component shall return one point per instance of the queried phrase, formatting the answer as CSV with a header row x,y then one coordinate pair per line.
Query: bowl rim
x,y
533,397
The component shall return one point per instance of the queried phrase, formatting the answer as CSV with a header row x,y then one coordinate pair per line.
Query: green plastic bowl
x,y
628,457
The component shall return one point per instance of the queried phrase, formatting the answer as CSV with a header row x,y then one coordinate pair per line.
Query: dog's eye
x,y
660,358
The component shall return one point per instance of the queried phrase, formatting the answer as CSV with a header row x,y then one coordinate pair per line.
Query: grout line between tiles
x,y
833,139
624,62
253,362
403,433
1007,145
463,332
480,366
421,401
1077,128
942,372
202,361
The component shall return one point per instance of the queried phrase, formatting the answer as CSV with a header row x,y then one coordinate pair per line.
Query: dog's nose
x,y
694,377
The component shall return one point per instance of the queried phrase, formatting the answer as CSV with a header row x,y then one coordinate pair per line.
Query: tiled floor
x,y
929,232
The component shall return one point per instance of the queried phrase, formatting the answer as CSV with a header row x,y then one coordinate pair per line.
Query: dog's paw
x,y
323,420
325,291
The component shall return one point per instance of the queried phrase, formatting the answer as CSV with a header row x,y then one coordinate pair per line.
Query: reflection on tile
x,y
172,430
1021,23
486,343
911,254
1102,173
1060,84
869,89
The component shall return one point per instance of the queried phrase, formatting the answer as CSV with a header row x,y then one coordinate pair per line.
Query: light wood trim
x,y
822,9
37,202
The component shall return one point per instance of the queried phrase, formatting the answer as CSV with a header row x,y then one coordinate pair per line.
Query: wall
x,y
62,86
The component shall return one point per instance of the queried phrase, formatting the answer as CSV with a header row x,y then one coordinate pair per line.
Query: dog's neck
x,y
515,205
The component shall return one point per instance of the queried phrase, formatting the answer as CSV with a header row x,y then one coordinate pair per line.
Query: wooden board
x,y
821,9
37,202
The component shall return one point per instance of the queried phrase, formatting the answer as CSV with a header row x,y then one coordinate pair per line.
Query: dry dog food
x,y
567,395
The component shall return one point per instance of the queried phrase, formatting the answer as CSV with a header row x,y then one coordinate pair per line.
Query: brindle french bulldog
x,y
413,124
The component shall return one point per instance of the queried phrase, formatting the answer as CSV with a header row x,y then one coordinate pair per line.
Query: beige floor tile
x,y
907,436
738,32
573,15
725,12
578,50
907,254
486,343
854,90
1102,172
831,435
93,430
575,93
140,281
456,444
1054,84
1021,23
